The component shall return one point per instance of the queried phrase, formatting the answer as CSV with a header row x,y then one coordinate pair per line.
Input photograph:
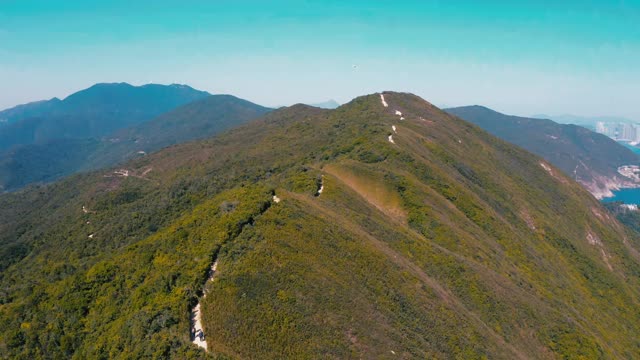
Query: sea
x,y
627,196
635,149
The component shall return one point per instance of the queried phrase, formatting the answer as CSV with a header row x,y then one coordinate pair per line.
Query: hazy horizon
x,y
528,58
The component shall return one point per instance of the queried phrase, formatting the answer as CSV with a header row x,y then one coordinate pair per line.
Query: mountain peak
x,y
474,108
329,104
181,86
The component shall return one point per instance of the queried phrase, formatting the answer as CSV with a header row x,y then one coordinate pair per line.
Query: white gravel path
x,y
197,330
384,103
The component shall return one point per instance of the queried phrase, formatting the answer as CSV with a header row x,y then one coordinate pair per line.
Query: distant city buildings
x,y
620,131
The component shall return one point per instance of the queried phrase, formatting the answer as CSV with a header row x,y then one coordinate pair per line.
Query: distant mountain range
x,y
330,104
93,112
132,132
589,158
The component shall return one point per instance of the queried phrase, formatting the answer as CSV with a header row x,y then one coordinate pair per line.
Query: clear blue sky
x,y
521,57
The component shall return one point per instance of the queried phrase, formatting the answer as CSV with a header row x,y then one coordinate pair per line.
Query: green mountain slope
x,y
432,239
197,120
589,158
45,162
93,112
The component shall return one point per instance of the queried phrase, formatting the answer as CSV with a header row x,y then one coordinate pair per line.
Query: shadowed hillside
x,y
430,239
197,120
93,112
589,158
51,160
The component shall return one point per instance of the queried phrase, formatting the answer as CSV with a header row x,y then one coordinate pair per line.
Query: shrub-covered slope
x,y
430,239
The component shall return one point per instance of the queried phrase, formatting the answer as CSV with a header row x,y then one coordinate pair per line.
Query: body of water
x,y
627,196
635,149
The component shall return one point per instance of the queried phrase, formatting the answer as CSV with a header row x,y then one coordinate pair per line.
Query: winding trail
x,y
384,103
197,333
197,330
393,127
321,188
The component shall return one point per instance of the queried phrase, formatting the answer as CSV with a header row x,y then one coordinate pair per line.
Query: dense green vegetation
x,y
41,163
449,243
628,217
591,159
50,160
197,120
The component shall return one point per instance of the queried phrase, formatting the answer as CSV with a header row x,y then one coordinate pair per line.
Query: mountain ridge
x,y
445,242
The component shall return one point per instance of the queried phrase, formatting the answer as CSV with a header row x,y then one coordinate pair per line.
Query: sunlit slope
x,y
442,243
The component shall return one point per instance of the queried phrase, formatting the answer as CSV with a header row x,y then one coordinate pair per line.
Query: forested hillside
x,y
386,228
51,160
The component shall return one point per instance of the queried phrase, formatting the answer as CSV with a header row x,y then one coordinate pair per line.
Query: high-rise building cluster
x,y
619,131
